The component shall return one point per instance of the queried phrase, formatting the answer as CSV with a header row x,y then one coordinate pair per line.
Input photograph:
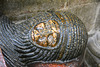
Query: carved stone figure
x,y
47,37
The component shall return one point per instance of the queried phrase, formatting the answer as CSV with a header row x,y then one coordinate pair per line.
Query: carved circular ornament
x,y
46,34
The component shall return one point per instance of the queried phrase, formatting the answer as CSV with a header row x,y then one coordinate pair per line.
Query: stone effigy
x,y
46,38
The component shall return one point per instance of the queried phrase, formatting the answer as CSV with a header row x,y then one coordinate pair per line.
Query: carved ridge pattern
x,y
17,40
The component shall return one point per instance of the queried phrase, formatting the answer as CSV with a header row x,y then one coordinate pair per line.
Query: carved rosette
x,y
46,34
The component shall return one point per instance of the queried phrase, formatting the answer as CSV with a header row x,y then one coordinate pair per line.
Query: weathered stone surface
x,y
86,12
32,5
84,9
93,47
